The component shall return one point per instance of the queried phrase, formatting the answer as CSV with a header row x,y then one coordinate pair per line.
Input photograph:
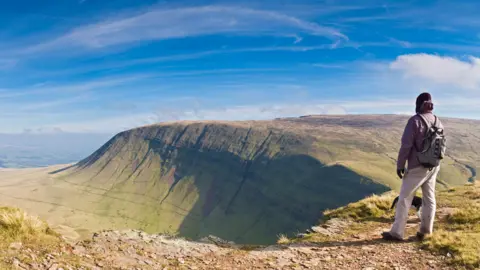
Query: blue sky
x,y
105,66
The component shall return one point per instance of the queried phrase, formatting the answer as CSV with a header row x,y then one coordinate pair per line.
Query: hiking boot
x,y
420,236
389,237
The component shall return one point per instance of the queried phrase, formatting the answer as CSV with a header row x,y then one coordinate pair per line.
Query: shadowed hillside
x,y
241,184
242,181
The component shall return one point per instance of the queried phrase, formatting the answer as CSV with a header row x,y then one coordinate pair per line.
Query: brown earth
x,y
132,249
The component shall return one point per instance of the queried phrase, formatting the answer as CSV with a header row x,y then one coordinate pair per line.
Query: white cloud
x,y
160,24
440,70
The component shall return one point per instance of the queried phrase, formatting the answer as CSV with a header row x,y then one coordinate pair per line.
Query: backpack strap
x,y
435,125
426,122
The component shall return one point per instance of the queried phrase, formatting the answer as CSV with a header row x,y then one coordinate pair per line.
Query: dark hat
x,y
421,99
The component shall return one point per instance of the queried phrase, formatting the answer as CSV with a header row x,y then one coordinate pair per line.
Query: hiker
x,y
423,146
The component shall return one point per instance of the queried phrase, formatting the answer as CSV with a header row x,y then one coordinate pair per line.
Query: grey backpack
x,y
434,145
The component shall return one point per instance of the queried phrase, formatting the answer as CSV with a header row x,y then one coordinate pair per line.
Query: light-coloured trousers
x,y
412,181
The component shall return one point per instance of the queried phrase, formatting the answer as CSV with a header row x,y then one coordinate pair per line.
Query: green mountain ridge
x,y
240,184
242,181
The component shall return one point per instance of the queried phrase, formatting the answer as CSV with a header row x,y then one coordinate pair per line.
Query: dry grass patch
x,y
463,246
458,234
470,214
460,196
283,240
16,225
371,208
353,219
29,232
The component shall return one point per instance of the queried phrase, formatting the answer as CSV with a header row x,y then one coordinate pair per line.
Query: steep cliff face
x,y
240,182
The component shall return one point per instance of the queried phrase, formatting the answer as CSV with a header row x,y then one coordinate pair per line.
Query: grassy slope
x,y
242,181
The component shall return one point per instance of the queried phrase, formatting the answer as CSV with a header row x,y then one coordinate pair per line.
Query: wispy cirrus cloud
x,y
7,63
161,24
401,43
53,103
205,54
329,66
126,63
188,56
48,89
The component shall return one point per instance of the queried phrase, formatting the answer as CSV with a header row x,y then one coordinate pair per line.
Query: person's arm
x,y
408,141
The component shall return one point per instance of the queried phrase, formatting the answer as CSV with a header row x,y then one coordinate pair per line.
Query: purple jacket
x,y
413,135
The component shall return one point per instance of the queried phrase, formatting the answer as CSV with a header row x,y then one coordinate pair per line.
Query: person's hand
x,y
400,173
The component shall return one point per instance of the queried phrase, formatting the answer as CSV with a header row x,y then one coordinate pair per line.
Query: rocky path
x,y
133,249
137,250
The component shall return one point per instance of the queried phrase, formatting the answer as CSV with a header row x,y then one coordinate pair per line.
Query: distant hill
x,y
244,181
